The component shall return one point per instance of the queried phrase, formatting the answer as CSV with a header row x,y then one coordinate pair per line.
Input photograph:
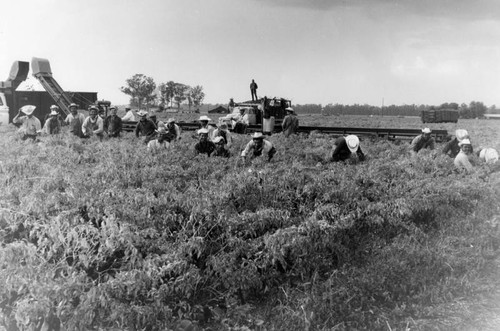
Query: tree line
x,y
472,110
144,92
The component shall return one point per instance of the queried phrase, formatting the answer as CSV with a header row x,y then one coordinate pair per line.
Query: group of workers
x,y
216,141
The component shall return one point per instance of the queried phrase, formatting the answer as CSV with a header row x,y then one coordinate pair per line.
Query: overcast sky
x,y
311,51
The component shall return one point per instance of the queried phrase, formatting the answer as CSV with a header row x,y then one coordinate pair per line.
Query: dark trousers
x,y
254,93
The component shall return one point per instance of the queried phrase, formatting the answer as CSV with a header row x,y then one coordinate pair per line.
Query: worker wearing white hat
x,y
162,141
93,126
220,150
145,127
52,124
462,159
451,148
31,125
204,125
259,147
488,155
204,145
290,122
347,147
75,120
223,132
424,140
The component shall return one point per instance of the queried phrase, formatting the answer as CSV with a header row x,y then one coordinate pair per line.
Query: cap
x,y
54,107
71,105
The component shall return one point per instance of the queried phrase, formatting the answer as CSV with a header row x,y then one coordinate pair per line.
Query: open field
x,y
103,235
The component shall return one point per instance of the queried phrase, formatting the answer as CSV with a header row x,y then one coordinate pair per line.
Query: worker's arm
x,y
247,149
18,119
100,126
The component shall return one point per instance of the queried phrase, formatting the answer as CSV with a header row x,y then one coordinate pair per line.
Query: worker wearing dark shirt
x,y
113,124
345,147
204,146
145,127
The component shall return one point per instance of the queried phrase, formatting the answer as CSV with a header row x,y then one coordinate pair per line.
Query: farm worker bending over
x,y
290,122
423,140
488,155
75,120
129,115
160,143
259,146
219,147
93,124
204,125
204,145
52,124
452,148
145,127
30,124
462,159
224,133
173,129
113,123
345,147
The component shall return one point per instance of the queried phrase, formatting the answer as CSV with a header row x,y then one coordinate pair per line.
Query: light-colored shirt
x,y
93,127
250,147
29,126
129,116
418,143
156,146
462,162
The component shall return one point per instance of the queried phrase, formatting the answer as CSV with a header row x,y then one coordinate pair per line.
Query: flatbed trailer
x,y
383,133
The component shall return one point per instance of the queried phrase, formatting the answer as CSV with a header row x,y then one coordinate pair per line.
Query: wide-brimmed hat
x,y
352,142
464,142
73,105
217,140
54,107
490,155
258,135
171,120
53,113
203,131
28,109
204,118
461,134
142,113
426,130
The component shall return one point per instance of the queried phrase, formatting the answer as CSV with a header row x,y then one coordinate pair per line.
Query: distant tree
x,y
197,95
477,109
141,89
180,93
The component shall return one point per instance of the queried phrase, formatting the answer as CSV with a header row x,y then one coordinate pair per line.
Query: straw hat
x,y
142,113
71,105
464,142
204,118
352,142
28,109
490,155
203,131
426,130
54,107
258,135
461,134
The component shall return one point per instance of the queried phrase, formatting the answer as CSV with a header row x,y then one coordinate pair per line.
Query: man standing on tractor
x,y
253,90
